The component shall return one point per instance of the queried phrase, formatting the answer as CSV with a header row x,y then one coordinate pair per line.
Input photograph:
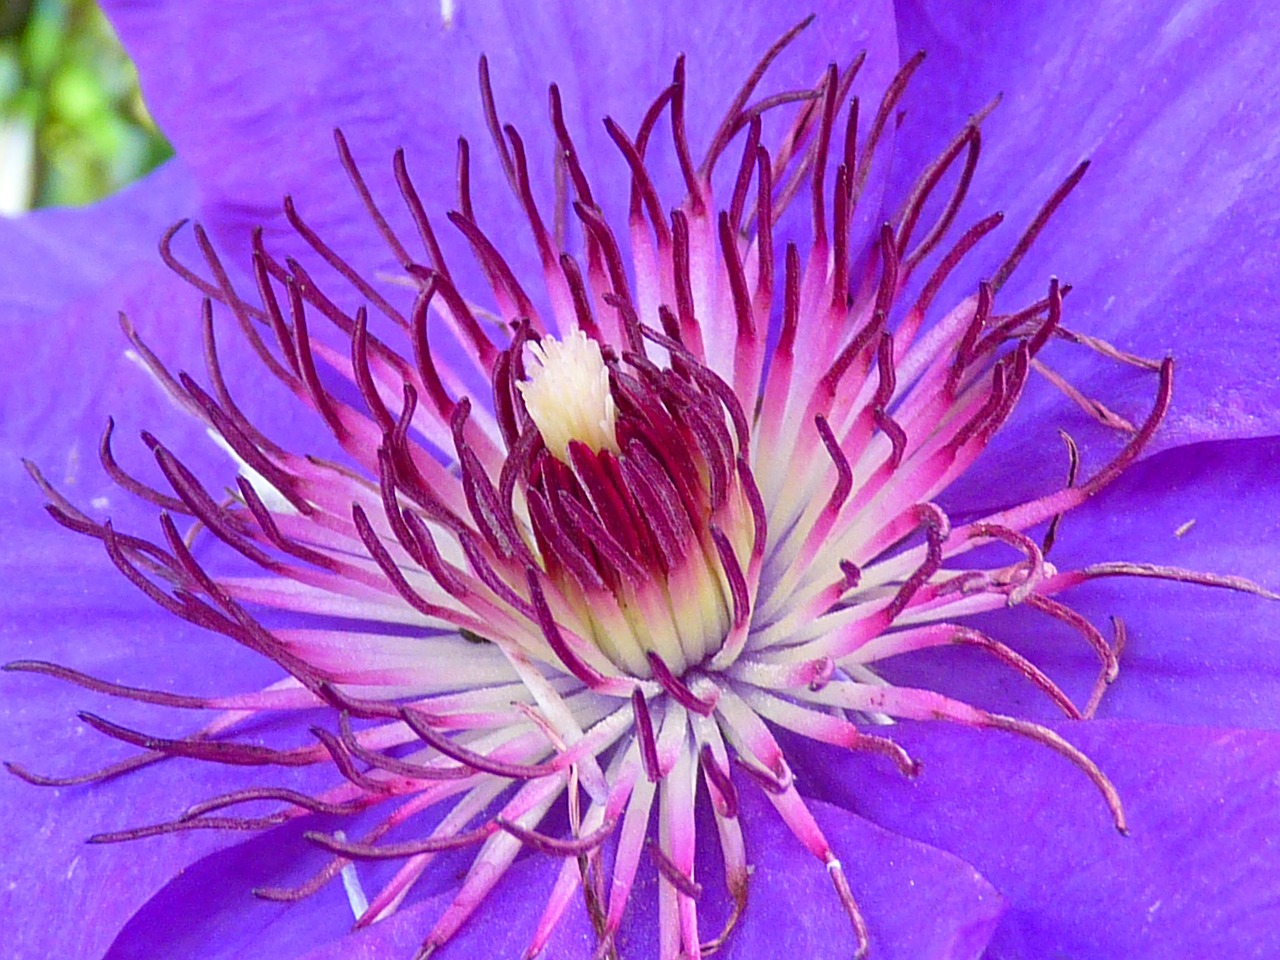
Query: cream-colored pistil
x,y
567,394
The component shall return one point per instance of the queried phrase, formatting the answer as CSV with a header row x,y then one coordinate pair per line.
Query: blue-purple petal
x,y
249,94
208,913
1196,877
1169,241
62,603
1195,654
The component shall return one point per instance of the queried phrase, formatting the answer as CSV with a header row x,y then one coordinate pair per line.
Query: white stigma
x,y
567,394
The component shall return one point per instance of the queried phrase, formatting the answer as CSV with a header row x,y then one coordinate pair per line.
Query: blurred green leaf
x,y
65,79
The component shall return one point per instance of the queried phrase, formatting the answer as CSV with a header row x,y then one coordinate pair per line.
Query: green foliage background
x,y
73,127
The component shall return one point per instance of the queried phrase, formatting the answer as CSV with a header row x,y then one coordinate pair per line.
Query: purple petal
x,y
250,94
61,603
66,275
51,264
1168,241
1195,654
793,910
51,257
1195,878
209,912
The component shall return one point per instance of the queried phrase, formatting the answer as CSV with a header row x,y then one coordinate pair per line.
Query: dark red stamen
x,y
684,883
364,376
555,638
96,776
581,302
693,183
969,141
561,546
818,176
676,687
642,189
129,483
340,754
732,118
492,122
644,736
494,265
553,845
305,890
378,552
215,751
738,591
416,722
967,636
401,768
418,212
266,521
282,794
958,252
888,105
718,777
936,527
348,273
742,182
361,188
141,694
1028,238
399,851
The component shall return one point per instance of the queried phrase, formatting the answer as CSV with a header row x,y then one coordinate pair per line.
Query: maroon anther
x,y
731,123
968,141
897,436
644,736
401,768
218,751
742,182
555,638
693,183
342,759
446,745
1028,238
644,196
140,694
675,686
772,781
380,555
555,846
684,883
936,528
130,483
719,778
820,672
844,472
399,851
349,273
852,574
738,589
818,193
183,826
282,794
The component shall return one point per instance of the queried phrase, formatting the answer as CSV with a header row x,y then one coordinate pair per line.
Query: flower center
x,y
704,513
567,395
638,511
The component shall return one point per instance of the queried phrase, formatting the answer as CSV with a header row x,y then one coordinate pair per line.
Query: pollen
x,y
567,395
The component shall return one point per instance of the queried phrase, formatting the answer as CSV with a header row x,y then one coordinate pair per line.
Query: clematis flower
x,y
623,548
